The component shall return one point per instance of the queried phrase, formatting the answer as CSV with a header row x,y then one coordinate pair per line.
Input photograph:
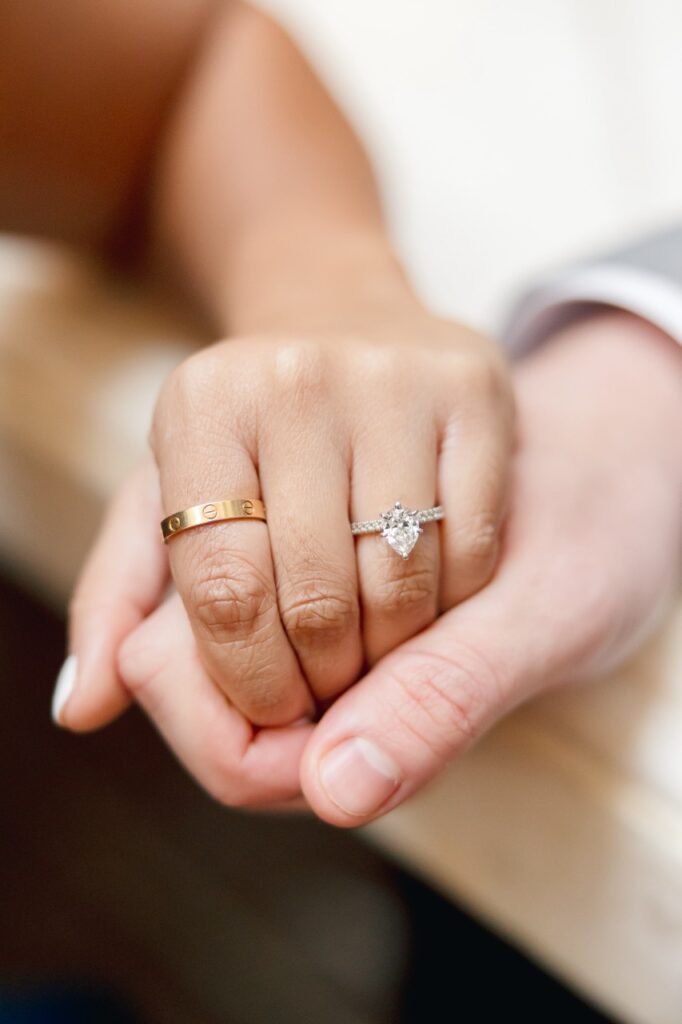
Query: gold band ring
x,y
212,512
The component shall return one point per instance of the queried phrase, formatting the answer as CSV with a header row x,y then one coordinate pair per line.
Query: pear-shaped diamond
x,y
401,529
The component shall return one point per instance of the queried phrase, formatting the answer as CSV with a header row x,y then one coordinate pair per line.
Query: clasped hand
x,y
295,658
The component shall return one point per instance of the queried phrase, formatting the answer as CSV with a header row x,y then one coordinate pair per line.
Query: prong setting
x,y
400,527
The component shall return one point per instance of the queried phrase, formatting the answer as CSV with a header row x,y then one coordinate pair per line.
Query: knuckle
x,y
195,385
267,701
447,699
411,592
188,379
380,365
476,540
300,369
318,614
231,599
485,379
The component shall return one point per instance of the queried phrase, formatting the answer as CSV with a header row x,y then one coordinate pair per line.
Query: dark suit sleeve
x,y
643,278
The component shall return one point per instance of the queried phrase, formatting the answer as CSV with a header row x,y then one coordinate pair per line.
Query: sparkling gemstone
x,y
401,529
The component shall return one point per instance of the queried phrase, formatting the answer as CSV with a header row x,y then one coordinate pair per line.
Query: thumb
x,y
389,734
122,580
430,699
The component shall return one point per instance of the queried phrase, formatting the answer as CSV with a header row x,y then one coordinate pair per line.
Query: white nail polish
x,y
63,687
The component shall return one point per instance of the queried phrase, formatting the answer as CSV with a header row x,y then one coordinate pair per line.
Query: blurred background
x,y
509,139
127,895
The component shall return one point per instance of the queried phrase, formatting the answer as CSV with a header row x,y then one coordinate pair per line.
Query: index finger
x,y
235,763
223,570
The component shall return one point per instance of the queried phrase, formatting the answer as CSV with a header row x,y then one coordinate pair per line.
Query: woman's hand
x,y
591,559
325,428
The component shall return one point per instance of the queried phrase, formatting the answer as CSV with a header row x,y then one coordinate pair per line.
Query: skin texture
x,y
267,211
84,93
336,394
591,560
286,615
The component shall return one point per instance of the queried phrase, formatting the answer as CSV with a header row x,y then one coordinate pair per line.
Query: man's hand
x,y
592,557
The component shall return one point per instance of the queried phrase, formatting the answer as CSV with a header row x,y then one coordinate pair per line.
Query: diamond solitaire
x,y
402,529
400,526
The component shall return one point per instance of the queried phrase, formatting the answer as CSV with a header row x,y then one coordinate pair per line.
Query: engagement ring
x,y
400,526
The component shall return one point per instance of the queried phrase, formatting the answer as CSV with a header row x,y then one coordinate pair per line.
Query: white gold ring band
x,y
401,527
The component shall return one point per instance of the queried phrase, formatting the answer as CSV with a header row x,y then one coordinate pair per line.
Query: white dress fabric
x,y
509,138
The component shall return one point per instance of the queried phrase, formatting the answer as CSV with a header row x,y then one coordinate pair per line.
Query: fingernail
x,y
358,776
63,688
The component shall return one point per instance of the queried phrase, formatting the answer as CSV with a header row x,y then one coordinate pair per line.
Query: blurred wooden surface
x,y
119,876
563,828
117,871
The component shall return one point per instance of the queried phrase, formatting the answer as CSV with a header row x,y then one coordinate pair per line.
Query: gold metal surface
x,y
211,512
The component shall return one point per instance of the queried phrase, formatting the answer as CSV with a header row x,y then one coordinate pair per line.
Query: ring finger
x,y
399,594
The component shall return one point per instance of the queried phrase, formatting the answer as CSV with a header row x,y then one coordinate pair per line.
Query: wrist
x,y
622,376
305,278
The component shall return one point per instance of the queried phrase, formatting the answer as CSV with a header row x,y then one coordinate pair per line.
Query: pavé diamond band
x,y
400,526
